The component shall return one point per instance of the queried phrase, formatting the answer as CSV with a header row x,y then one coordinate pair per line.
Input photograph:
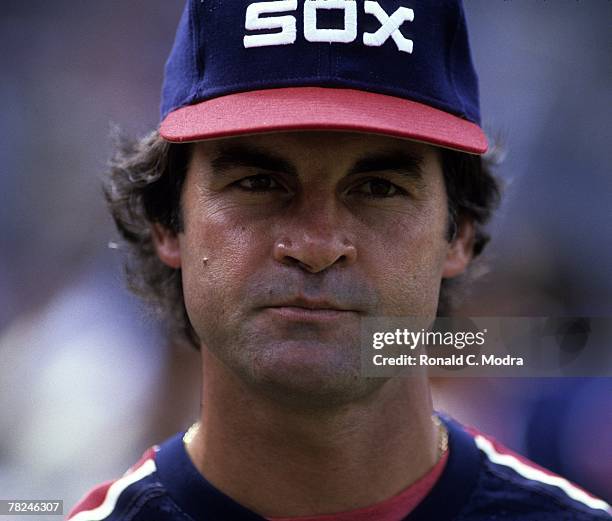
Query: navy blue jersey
x,y
482,481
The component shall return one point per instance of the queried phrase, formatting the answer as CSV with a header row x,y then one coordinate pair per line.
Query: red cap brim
x,y
318,108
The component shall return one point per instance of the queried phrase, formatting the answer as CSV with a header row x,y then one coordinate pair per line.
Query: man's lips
x,y
303,309
311,303
301,314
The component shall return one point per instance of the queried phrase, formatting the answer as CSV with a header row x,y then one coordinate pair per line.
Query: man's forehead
x,y
347,147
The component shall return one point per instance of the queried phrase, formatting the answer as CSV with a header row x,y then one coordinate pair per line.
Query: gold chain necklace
x,y
442,436
190,434
441,428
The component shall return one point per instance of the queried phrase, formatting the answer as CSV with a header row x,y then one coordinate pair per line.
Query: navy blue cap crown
x,y
412,49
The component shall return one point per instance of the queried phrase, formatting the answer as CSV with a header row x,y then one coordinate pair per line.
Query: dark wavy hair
x,y
144,186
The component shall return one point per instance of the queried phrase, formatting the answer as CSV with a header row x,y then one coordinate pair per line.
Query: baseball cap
x,y
401,68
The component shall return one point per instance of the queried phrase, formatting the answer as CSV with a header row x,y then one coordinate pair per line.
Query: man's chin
x,y
311,375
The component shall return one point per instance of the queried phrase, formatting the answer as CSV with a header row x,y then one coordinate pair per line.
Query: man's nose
x,y
315,238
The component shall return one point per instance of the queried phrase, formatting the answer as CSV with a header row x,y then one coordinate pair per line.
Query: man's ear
x,y
460,252
166,245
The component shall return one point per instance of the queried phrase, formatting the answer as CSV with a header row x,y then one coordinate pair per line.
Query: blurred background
x,y
87,381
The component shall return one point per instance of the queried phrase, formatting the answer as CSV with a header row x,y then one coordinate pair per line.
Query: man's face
x,y
291,238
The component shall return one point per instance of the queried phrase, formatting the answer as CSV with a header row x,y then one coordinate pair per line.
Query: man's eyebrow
x,y
405,163
247,156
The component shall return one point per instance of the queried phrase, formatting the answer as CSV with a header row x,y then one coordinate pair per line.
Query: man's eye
x,y
378,188
259,183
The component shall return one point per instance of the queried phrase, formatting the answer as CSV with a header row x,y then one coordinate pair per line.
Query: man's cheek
x,y
211,252
411,284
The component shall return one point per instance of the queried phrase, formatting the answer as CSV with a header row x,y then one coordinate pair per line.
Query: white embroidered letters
x,y
345,35
287,24
390,25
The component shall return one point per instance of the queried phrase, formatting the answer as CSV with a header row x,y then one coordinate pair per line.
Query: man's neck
x,y
283,462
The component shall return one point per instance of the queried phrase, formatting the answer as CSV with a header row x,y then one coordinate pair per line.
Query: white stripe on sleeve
x,y
112,494
532,473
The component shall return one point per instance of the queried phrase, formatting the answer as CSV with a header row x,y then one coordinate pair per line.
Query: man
x,y
317,163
